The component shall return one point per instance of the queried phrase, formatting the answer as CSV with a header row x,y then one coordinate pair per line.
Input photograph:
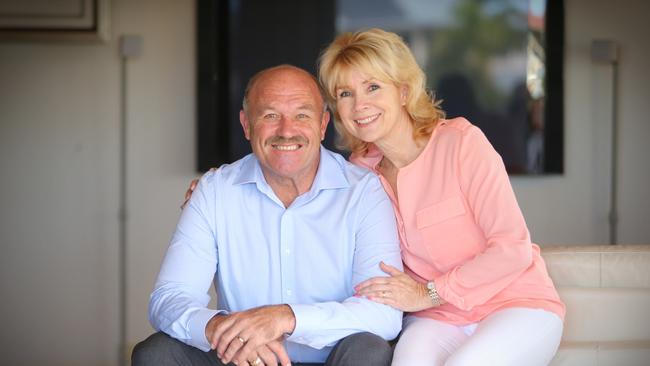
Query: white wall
x,y
59,119
161,137
59,123
573,208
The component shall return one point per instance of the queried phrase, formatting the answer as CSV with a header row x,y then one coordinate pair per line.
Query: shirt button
x,y
287,251
289,292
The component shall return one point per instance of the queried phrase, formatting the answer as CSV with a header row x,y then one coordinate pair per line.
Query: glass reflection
x,y
484,58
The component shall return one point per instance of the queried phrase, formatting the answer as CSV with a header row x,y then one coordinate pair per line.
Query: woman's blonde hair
x,y
385,56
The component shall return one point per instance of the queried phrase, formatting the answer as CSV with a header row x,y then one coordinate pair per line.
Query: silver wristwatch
x,y
433,293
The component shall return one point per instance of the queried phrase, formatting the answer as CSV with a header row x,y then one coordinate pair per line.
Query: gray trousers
x,y
359,349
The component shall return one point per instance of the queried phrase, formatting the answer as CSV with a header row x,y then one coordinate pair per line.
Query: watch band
x,y
433,293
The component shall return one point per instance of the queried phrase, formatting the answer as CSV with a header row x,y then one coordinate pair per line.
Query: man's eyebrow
x,y
307,106
266,109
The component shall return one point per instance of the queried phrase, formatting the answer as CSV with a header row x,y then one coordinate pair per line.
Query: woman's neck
x,y
400,148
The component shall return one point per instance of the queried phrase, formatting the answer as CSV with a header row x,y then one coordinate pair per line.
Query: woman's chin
x,y
365,136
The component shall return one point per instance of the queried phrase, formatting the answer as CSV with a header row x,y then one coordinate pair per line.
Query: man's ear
x,y
324,122
245,124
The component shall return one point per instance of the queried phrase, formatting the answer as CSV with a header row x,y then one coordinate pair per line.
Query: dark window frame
x,y
294,32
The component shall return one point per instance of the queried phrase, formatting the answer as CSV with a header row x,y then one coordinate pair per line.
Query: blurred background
x,y
65,257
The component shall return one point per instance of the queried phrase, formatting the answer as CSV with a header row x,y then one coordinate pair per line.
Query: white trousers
x,y
514,336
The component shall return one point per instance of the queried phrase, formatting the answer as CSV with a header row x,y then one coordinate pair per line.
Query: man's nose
x,y
286,127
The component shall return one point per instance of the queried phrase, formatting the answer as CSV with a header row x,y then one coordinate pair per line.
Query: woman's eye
x,y
373,87
344,94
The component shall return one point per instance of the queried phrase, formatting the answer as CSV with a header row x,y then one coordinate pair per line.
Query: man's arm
x,y
178,304
323,324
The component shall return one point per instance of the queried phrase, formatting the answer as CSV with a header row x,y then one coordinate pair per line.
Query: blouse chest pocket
x,y
439,212
445,233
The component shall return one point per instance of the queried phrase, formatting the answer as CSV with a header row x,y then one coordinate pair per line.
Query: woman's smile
x,y
367,120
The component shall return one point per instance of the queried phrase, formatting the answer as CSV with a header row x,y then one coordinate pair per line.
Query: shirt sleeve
x,y
178,303
323,324
508,253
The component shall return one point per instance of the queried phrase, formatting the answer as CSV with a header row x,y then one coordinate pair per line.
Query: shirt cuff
x,y
196,326
304,322
445,293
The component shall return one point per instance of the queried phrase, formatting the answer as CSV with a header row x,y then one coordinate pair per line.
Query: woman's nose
x,y
360,103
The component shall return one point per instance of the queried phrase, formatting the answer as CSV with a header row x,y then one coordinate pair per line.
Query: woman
x,y
476,288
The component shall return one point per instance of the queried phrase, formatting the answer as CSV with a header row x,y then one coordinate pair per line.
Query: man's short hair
x,y
253,80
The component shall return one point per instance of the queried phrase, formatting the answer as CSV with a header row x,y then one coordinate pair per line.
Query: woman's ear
x,y
404,92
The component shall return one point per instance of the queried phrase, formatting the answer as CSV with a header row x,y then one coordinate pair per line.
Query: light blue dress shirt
x,y
236,232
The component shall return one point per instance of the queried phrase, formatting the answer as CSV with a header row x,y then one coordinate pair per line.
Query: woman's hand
x,y
399,290
188,193
190,190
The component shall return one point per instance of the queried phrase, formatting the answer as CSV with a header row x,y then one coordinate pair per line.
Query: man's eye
x,y
270,116
302,116
373,87
344,94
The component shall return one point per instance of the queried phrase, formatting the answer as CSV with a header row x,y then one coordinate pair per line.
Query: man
x,y
285,234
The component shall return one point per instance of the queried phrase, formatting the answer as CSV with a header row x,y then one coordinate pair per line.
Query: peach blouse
x,y
460,226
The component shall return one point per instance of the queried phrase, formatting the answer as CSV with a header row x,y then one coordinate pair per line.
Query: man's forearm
x,y
323,324
182,316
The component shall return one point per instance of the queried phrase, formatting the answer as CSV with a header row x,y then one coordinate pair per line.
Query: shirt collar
x,y
330,174
372,157
249,171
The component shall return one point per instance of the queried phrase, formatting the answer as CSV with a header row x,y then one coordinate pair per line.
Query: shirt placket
x,y
393,196
287,262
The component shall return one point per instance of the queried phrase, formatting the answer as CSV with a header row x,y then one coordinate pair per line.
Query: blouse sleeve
x,y
508,251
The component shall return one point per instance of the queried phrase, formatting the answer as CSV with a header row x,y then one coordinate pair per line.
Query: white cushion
x,y
599,266
602,356
606,314
607,293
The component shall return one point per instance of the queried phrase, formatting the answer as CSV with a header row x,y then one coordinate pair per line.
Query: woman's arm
x,y
508,253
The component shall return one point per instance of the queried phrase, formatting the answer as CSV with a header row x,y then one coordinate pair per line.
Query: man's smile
x,y
286,147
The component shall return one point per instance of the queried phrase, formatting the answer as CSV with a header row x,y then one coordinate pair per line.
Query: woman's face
x,y
369,108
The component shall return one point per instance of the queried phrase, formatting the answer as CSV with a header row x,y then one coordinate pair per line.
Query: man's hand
x,y
269,355
236,337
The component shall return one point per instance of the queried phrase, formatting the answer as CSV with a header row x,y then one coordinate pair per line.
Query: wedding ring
x,y
241,340
257,361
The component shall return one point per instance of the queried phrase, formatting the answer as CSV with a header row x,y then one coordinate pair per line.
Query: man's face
x,y
285,124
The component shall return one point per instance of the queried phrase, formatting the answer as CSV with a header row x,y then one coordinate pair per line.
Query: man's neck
x,y
288,189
